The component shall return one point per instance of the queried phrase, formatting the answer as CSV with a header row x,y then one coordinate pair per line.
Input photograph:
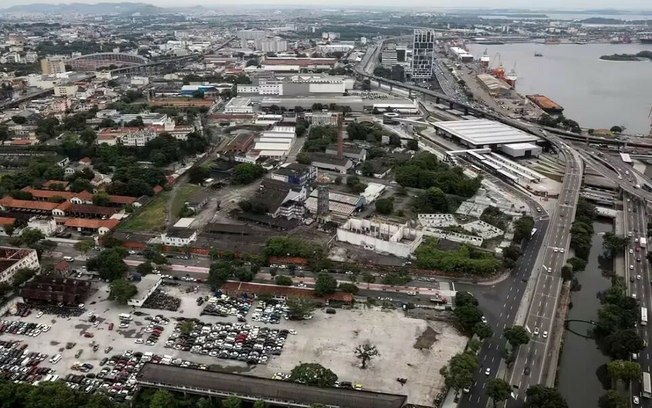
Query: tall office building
x,y
51,66
423,54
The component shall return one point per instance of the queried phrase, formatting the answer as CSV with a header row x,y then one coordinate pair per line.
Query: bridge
x,y
91,62
16,102
586,336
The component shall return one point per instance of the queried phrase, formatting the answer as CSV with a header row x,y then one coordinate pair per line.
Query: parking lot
x,y
239,336
330,339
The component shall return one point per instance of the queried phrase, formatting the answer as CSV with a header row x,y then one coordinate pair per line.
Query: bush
x,y
349,288
385,206
465,260
283,280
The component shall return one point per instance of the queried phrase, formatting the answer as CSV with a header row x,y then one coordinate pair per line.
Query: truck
x,y
642,242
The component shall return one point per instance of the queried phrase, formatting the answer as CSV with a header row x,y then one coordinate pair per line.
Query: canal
x,y
581,359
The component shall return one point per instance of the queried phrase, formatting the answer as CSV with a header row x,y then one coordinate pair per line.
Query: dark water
x,y
581,359
596,93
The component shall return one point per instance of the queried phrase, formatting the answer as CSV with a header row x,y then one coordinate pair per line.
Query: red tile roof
x,y
47,194
12,203
117,199
232,287
62,266
91,223
50,183
286,260
7,221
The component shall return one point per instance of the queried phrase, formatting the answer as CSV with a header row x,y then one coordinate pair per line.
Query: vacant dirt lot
x,y
330,340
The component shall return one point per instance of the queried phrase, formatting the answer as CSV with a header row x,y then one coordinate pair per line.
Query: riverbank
x,y
640,56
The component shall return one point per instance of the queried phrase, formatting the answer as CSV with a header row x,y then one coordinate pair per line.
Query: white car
x,y
561,250
631,251
635,400
638,277
487,371
484,319
631,267
39,314
536,331
139,341
556,250
545,334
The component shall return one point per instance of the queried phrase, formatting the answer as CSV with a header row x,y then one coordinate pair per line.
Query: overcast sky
x,y
566,4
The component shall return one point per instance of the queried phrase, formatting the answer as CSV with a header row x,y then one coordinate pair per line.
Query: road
x,y
534,357
500,304
637,271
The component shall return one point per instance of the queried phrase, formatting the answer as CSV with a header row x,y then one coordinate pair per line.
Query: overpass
x,y
34,95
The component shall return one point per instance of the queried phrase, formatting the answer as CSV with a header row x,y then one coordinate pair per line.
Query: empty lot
x,y
331,339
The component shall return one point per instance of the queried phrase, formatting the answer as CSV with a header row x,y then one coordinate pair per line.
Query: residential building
x,y
67,91
85,225
296,174
12,259
423,54
52,66
271,45
178,237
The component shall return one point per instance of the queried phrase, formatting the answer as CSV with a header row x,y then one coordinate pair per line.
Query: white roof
x,y
271,146
278,140
184,222
481,132
282,129
523,146
626,157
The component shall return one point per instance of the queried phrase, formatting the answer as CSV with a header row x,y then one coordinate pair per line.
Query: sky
x,y
565,4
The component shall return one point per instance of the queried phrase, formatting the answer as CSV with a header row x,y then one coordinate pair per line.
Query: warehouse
x,y
483,133
521,150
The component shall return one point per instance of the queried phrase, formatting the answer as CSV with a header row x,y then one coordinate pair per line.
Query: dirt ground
x,y
330,340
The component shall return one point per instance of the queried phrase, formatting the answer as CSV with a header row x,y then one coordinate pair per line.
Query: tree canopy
x,y
539,396
245,173
109,263
313,374
325,284
459,371
466,259
516,336
498,390
122,290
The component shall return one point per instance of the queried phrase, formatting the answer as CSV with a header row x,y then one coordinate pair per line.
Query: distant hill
x,y
84,8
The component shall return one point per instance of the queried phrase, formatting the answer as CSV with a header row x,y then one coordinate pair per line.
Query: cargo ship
x,y
545,103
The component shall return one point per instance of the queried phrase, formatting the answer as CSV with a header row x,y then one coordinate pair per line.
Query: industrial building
x,y
493,85
295,173
423,54
340,205
56,291
239,104
461,54
146,286
12,259
521,150
275,143
483,133
296,85
387,238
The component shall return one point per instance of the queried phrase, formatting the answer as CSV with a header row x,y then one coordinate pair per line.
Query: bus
x,y
534,231
647,387
643,316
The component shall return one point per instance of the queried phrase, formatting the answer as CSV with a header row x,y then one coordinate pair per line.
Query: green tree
x,y
197,174
84,246
498,390
539,396
109,264
365,353
385,206
433,200
122,290
467,317
87,136
145,268
567,272
187,326
578,264
516,336
102,199
614,244
19,120
299,307
232,402
483,330
523,228
325,284
30,236
163,399
459,371
623,370
51,395
260,404
616,129
465,298
623,343
349,287
22,275
245,173
613,399
304,158
313,374
368,277
283,280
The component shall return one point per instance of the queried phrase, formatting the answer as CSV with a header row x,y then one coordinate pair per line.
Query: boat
x,y
546,104
552,41
538,54
645,39
511,78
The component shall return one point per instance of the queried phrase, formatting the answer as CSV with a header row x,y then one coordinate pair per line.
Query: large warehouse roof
x,y
481,132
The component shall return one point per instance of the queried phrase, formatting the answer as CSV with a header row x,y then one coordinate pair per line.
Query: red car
x,y
110,326
87,334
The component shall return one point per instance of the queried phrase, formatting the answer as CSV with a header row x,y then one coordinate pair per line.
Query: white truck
x,y
642,242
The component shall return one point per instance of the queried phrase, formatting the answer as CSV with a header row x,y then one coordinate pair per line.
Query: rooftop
x,y
180,232
216,383
481,132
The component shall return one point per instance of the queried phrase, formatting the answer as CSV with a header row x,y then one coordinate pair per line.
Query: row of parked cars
x,y
23,328
18,364
234,341
224,306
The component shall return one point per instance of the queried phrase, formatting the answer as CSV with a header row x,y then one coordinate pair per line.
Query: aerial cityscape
x,y
329,205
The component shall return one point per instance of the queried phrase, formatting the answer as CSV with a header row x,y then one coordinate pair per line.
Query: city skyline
x,y
576,5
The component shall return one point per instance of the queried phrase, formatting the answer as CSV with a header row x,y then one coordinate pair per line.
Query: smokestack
x,y
340,136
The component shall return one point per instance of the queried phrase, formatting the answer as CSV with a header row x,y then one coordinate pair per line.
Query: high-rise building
x,y
423,54
51,66
271,45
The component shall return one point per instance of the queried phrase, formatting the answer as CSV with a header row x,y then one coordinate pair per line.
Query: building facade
x,y
12,259
423,54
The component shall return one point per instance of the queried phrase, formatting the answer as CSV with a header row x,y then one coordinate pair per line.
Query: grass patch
x,y
152,217
183,195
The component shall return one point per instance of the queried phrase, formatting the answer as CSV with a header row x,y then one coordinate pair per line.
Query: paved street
x,y
534,357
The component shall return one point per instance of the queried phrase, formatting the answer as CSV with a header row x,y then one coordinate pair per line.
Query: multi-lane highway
x,y
500,306
637,272
531,365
